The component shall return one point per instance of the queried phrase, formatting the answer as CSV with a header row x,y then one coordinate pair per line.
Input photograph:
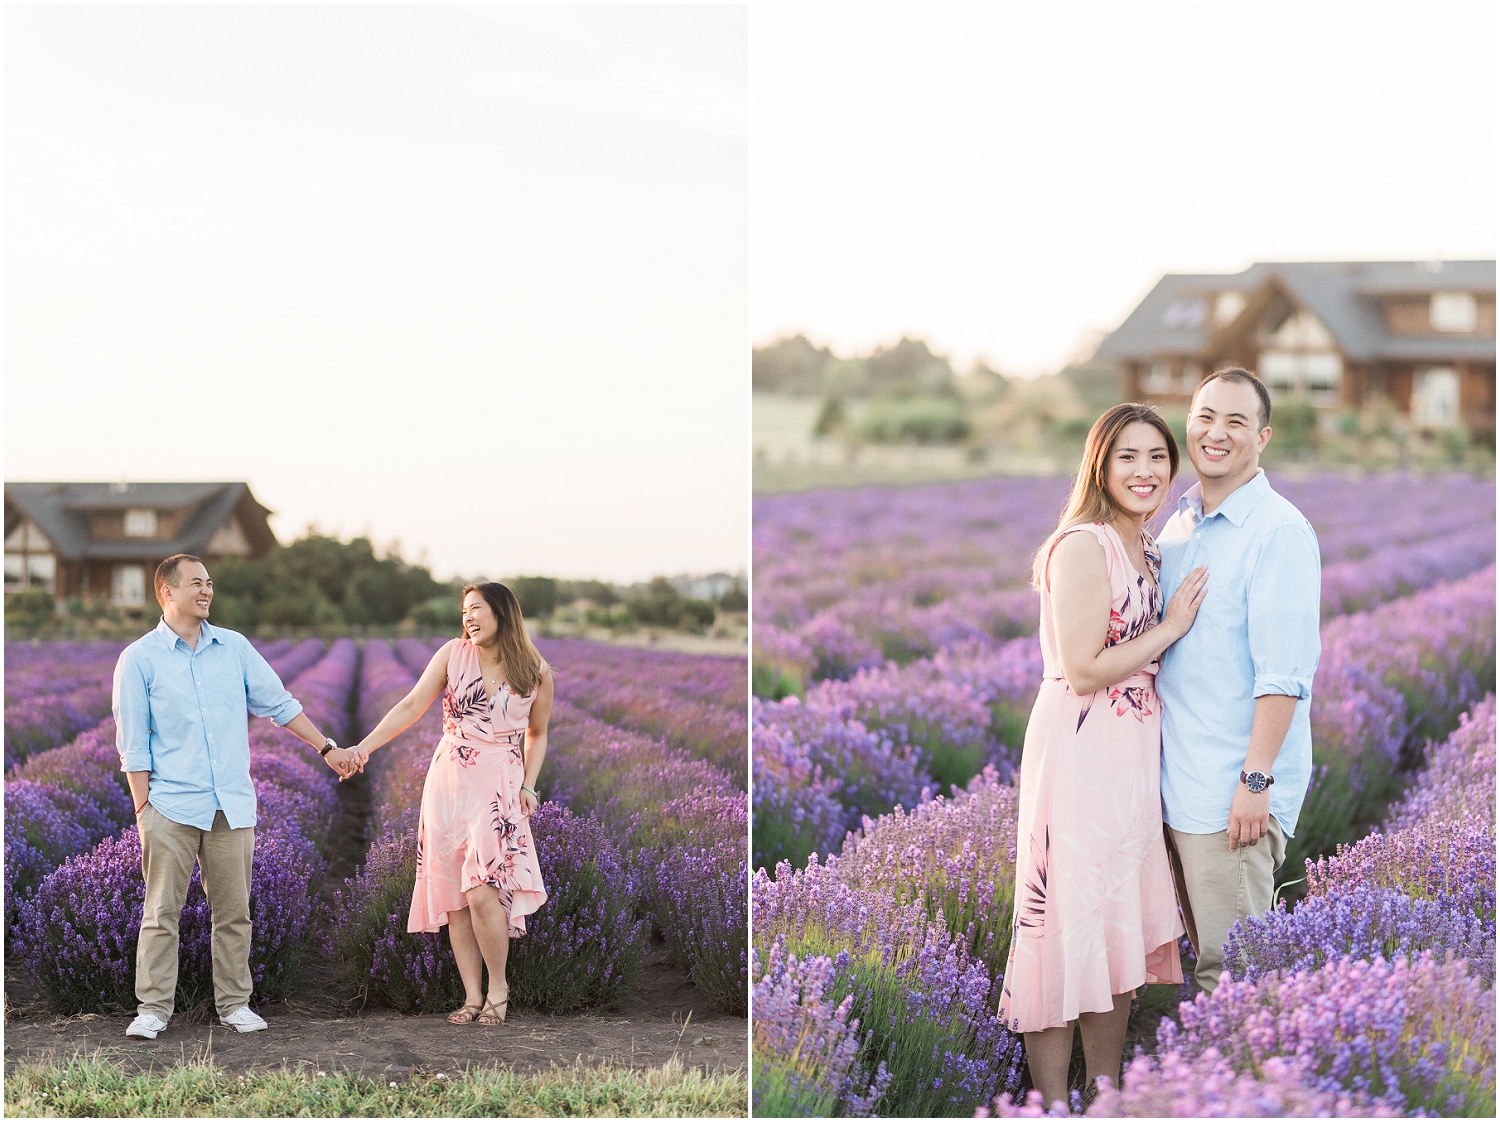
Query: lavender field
x,y
895,666
641,833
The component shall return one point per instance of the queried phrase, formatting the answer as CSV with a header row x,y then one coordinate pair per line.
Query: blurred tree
x,y
832,418
789,366
538,595
319,580
909,369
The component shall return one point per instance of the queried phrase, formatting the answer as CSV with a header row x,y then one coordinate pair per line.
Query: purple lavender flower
x,y
806,1048
1206,1086
1414,1035
927,1007
1363,922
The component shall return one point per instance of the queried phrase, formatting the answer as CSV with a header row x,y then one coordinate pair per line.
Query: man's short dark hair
x,y
1245,378
166,572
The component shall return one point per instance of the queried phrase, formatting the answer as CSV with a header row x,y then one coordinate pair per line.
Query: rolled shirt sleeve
x,y
131,704
1284,602
265,696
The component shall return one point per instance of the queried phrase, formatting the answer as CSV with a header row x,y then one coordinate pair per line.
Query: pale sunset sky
x,y
1005,180
470,278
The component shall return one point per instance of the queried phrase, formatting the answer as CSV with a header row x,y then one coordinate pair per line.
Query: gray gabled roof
x,y
60,510
1173,319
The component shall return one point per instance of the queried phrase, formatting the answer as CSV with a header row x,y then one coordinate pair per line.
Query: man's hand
x,y
1249,816
344,761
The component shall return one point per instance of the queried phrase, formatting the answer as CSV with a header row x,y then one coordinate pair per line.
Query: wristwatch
x,y
1256,781
329,744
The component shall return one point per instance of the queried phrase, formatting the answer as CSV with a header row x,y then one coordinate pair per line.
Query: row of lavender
x,y
848,579
878,970
1388,681
54,691
72,855
634,832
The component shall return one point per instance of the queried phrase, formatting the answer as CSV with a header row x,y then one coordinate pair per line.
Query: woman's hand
x,y
1183,609
345,761
528,803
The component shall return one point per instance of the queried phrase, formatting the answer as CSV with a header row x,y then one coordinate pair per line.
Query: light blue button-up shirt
x,y
181,714
1256,634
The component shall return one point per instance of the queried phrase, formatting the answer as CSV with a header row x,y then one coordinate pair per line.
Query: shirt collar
x,y
1236,507
207,633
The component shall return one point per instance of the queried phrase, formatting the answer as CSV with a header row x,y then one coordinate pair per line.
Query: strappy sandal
x,y
493,1012
465,1015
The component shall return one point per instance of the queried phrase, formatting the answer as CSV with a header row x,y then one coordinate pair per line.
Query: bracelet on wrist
x,y
530,792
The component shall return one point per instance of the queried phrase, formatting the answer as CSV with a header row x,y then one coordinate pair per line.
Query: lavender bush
x,y
44,825
955,858
1458,783
581,949
692,868
1364,922
1413,1035
1206,1086
927,1006
77,934
806,1048
370,945
89,765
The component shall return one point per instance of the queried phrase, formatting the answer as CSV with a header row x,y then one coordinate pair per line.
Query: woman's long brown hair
x,y
1089,500
522,662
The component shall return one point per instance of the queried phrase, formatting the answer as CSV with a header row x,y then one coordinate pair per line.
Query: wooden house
x,y
1340,335
105,539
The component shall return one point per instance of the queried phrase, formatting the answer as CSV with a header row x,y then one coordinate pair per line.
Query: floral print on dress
x,y
1135,700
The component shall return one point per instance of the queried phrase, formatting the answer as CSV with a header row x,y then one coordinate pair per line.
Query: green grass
x,y
90,1087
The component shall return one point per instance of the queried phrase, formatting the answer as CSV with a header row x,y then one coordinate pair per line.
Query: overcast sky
x,y
1001,180
473,279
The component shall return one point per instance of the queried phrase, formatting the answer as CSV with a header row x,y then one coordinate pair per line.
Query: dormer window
x,y
140,523
1227,307
1453,311
1184,315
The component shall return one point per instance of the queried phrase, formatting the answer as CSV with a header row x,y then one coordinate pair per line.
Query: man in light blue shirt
x,y
181,696
1236,689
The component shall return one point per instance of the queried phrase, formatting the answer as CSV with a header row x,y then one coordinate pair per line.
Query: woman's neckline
x,y
1120,538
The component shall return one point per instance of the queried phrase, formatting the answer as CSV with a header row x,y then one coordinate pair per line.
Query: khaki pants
x,y
1216,888
168,852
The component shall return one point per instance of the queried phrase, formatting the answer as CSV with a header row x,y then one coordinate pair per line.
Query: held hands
x,y
1182,610
345,761
1249,816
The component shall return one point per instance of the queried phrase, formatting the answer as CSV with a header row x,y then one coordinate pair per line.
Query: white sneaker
x,y
243,1020
146,1026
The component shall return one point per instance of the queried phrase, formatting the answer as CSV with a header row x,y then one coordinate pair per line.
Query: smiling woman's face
x,y
480,624
1140,469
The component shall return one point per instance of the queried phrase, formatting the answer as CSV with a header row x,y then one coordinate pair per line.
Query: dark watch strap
x,y
329,744
1245,778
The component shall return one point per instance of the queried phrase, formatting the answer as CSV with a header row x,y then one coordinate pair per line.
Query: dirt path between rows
x,y
324,1026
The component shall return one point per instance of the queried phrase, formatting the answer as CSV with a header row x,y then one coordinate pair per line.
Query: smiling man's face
x,y
1224,434
191,593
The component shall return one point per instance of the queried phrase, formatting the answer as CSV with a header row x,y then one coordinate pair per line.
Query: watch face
x,y
1256,782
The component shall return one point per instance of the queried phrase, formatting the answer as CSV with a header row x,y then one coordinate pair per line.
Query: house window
x,y
1184,315
1453,311
1434,399
140,523
129,586
1294,373
1159,377
41,568
1191,375
15,569
1227,307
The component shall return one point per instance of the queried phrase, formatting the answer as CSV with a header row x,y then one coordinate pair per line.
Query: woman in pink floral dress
x,y
1096,911
477,870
